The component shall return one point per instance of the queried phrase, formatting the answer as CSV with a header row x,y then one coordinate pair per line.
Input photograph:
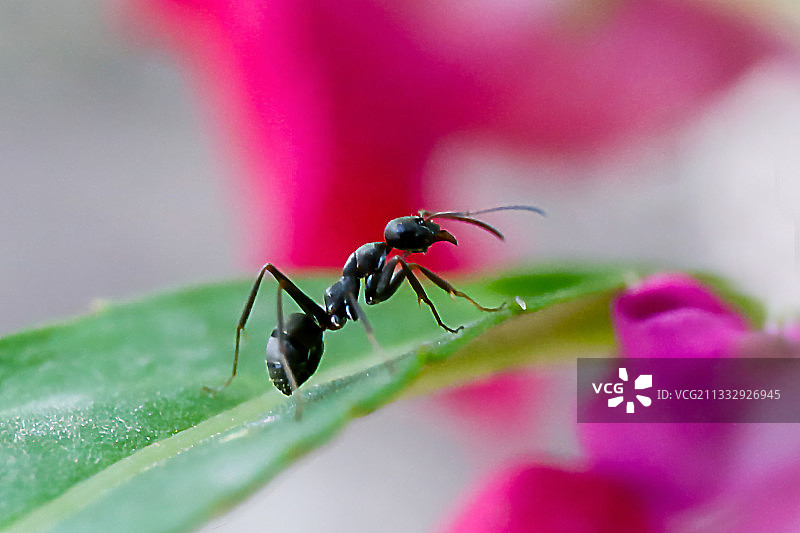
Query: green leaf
x,y
103,416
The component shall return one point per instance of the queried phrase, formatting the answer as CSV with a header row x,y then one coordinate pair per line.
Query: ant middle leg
x,y
362,316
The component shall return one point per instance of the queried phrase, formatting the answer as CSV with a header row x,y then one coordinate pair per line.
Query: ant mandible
x,y
294,348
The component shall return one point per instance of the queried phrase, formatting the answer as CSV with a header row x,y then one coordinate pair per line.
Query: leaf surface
x,y
104,426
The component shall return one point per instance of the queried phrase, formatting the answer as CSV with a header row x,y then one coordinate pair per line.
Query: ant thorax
x,y
367,259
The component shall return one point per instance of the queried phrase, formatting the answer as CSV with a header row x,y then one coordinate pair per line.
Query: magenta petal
x,y
332,109
672,315
791,333
503,406
527,498
674,466
764,505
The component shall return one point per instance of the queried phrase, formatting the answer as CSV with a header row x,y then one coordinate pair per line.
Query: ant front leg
x,y
452,291
422,296
382,285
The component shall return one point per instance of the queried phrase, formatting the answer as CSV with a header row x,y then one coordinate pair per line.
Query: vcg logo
x,y
644,381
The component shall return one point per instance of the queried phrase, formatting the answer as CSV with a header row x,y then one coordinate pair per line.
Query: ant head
x,y
414,234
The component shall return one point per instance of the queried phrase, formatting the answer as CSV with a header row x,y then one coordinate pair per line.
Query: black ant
x,y
294,348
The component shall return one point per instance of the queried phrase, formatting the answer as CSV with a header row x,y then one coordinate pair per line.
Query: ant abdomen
x,y
302,351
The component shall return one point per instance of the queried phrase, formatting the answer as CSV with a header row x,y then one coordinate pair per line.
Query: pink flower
x,y
331,109
529,497
717,478
669,315
685,469
500,405
672,315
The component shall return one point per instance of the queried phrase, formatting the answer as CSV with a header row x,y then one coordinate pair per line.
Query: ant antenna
x,y
469,216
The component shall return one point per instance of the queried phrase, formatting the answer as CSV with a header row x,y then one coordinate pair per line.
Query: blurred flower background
x,y
151,143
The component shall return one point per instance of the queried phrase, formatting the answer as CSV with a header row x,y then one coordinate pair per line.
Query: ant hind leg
x,y
248,307
305,303
298,413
